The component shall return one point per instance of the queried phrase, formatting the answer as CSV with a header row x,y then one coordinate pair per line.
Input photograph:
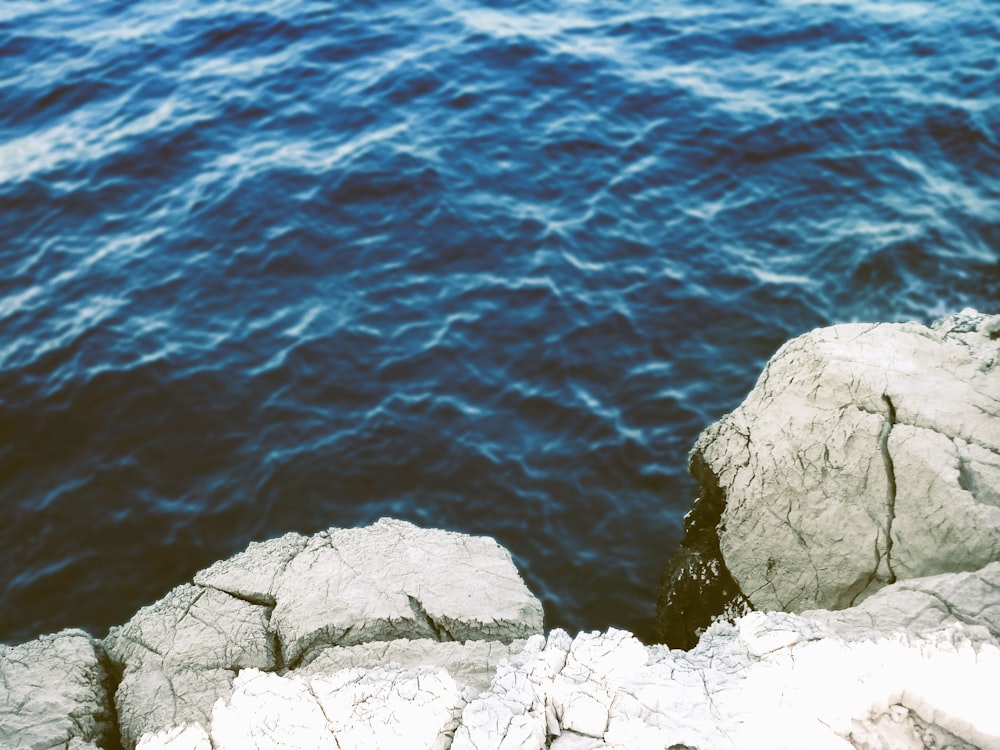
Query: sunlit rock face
x,y
341,598
865,454
916,665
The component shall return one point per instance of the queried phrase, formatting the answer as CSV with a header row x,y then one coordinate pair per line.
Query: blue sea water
x,y
276,265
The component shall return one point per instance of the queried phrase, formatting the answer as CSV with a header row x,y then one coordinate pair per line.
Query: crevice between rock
x,y
441,633
919,424
111,679
888,422
890,475
696,587
269,602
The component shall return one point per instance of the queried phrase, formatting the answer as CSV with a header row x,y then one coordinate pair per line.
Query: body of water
x,y
272,265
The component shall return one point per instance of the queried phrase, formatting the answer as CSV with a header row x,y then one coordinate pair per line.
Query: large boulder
x,y
865,454
53,693
347,597
379,583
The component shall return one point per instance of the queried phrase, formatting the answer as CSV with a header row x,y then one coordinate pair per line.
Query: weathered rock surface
x,y
393,580
865,454
282,603
194,627
915,665
149,699
472,664
53,693
182,737
925,605
178,656
384,582
893,672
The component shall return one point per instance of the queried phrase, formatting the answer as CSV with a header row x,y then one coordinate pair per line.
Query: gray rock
x,y
385,707
915,664
179,655
194,627
865,454
924,606
148,700
281,603
252,574
894,672
394,580
53,694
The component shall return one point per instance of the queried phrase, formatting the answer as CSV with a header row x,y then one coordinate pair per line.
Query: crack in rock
x,y
439,630
890,476
889,421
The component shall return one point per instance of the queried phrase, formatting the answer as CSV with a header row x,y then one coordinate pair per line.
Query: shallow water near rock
x,y
281,266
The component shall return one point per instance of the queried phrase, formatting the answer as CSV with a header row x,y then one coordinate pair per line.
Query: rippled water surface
x,y
274,265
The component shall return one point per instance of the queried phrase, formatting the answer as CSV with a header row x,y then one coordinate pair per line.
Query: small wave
x,y
484,268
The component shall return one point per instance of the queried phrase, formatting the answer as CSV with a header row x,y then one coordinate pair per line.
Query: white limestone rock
x,y
517,713
595,669
472,664
150,699
773,680
52,694
924,606
916,664
394,580
281,603
252,574
351,709
182,737
194,627
865,454
179,655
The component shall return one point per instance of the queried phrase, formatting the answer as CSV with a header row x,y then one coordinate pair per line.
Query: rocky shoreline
x,y
838,586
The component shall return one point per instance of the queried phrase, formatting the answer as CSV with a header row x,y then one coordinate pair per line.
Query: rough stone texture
x,y
150,699
182,737
53,694
923,672
351,709
194,627
179,655
253,574
472,664
865,454
387,581
281,603
394,580
917,664
924,605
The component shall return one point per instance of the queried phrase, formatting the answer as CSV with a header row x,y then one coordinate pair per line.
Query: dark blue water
x,y
274,265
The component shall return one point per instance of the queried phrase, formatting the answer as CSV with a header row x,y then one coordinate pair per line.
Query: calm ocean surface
x,y
274,265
